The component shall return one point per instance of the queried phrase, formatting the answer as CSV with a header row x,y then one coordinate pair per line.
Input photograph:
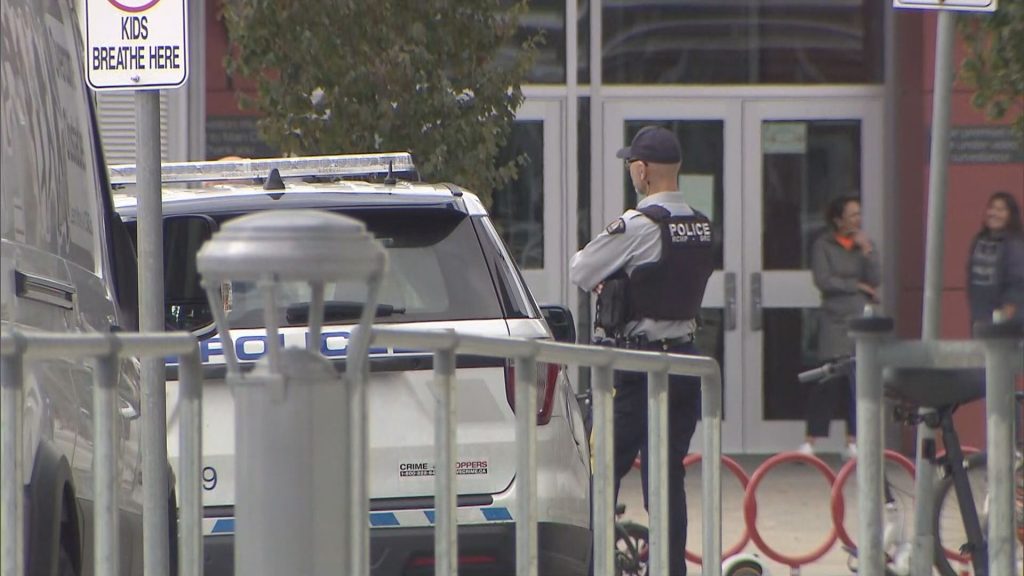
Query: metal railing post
x,y
1002,344
104,458
190,538
526,465
603,492
869,333
711,469
11,443
658,454
446,543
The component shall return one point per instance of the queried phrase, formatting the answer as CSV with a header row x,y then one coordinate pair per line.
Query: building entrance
x,y
763,170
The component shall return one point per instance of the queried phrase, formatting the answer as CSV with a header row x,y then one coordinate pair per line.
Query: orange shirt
x,y
845,241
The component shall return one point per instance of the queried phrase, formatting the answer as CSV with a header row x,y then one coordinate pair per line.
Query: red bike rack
x,y
750,509
741,475
839,507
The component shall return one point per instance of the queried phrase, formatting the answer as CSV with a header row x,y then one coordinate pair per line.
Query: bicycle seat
x,y
935,387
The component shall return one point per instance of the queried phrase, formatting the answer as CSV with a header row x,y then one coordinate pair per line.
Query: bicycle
x,y
963,537
632,543
895,543
952,542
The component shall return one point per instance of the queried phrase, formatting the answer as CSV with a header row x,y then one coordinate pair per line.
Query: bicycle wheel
x,y
631,549
950,535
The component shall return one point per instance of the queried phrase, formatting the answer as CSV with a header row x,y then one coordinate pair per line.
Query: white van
x,y
67,264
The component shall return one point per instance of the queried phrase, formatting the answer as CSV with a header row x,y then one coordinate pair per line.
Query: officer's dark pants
x,y
631,438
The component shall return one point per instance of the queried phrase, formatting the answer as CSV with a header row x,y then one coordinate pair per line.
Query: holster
x,y
613,305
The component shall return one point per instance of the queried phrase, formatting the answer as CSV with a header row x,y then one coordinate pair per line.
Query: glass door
x,y
763,170
530,211
709,132
797,156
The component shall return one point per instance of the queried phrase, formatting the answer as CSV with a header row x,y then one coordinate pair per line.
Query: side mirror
x,y
561,322
185,305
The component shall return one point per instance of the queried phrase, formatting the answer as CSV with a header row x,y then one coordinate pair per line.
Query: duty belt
x,y
640,342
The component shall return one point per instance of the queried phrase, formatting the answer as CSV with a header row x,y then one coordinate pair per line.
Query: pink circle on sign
x,y
133,5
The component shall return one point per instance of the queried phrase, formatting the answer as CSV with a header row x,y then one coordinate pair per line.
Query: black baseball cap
x,y
653,144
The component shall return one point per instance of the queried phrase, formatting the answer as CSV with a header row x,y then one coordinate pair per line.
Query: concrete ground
x,y
793,511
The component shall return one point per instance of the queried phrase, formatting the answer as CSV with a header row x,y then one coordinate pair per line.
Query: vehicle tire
x,y
950,534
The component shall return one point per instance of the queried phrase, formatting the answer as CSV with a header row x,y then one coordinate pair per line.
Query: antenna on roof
x,y
274,181
390,179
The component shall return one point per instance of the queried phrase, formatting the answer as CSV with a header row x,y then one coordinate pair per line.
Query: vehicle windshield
x,y
436,272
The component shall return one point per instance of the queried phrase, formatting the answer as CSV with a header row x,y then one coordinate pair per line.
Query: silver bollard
x,y
296,466
603,495
104,459
870,332
1002,344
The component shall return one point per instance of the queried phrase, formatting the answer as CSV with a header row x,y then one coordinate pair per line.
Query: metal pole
x,y
711,469
603,493
924,530
658,454
1002,346
11,505
190,547
526,465
104,463
446,543
357,372
151,319
869,332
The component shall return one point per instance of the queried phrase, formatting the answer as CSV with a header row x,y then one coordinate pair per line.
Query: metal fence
x,y
998,350
20,348
18,351
604,361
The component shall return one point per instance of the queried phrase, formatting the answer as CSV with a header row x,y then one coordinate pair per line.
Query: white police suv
x,y
448,269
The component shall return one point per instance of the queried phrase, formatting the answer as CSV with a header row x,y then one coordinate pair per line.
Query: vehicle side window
x,y
515,299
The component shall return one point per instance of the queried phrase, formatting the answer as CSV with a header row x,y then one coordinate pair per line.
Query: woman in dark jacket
x,y
995,265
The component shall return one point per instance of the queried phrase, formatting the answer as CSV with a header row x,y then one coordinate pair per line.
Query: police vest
x,y
673,287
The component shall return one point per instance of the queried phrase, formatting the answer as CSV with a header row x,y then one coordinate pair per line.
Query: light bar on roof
x,y
306,166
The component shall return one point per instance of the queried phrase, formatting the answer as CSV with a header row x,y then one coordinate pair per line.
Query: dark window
x,y
517,210
743,42
437,272
546,20
516,300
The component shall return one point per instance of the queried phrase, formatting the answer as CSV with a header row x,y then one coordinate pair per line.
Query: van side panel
x,y
56,273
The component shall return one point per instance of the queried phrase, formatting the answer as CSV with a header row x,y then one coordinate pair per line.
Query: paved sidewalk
x,y
794,514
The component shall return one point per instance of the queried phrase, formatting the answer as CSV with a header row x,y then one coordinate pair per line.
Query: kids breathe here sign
x,y
136,44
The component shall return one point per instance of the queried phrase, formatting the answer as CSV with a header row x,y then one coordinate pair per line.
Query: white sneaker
x,y
806,449
851,452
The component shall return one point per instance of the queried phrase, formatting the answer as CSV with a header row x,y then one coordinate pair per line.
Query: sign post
x,y
924,529
142,45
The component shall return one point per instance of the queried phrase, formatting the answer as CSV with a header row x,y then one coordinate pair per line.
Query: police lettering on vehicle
x,y
252,347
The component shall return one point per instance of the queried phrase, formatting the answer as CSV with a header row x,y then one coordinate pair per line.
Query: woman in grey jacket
x,y
846,271
995,266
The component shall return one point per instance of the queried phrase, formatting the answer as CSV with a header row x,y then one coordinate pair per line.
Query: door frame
x,y
608,206
550,284
741,115
789,289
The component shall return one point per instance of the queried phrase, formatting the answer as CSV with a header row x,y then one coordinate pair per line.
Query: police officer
x,y
663,249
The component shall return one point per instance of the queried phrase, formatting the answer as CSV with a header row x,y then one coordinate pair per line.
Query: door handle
x,y
730,300
756,320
